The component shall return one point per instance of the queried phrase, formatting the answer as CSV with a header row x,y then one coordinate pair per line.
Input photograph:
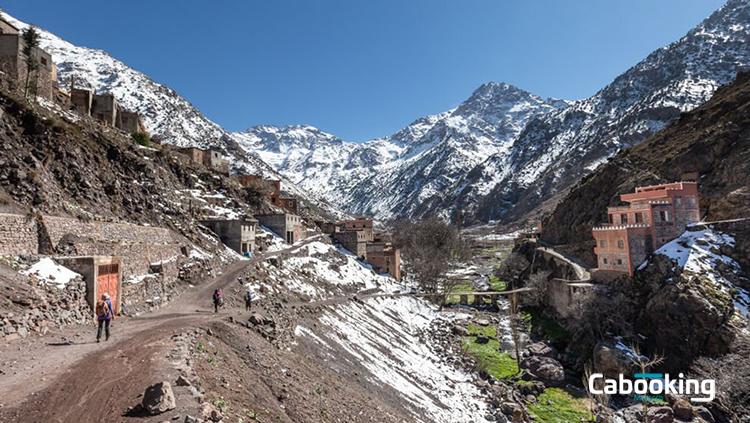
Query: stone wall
x,y
124,233
18,235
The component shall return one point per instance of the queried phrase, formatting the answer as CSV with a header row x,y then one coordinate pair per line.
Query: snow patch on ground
x,y
48,272
385,337
699,253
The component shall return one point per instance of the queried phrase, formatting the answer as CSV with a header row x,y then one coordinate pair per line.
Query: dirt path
x,y
67,377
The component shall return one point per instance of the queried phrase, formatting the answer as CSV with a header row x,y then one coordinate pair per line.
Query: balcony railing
x,y
607,227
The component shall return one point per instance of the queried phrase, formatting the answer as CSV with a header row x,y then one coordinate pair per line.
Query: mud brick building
x,y
354,241
213,159
654,216
360,225
237,234
384,258
13,64
274,192
105,109
286,225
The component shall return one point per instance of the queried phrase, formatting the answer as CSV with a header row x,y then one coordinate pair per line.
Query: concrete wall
x,y
82,100
12,63
130,122
104,108
18,235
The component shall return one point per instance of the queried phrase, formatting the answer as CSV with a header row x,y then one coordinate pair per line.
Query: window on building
x,y
639,218
43,61
611,221
620,244
664,216
602,243
623,218
604,260
619,262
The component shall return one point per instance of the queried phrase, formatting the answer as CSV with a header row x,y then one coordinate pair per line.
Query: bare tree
x,y
515,326
732,375
595,400
430,248
644,364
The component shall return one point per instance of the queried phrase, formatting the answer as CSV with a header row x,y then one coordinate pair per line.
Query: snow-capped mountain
x,y
394,176
504,151
165,113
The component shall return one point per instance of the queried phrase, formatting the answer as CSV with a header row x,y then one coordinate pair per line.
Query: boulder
x,y
258,319
460,330
482,322
610,360
158,398
210,412
660,415
542,349
547,369
682,409
181,381
703,413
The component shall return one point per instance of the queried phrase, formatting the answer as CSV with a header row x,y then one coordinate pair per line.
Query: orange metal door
x,y
107,282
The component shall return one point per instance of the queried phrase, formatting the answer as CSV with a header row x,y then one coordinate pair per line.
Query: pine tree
x,y
30,38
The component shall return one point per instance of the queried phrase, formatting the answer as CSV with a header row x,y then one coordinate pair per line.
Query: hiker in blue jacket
x,y
248,300
105,313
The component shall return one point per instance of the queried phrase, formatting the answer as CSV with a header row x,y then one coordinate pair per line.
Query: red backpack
x,y
102,309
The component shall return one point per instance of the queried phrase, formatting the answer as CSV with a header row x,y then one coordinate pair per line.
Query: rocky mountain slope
x,y
168,117
504,152
713,140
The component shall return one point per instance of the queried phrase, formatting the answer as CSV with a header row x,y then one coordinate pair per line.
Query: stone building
x,y
213,159
13,64
194,153
237,234
274,192
286,225
82,100
654,216
354,241
329,227
361,225
384,258
104,108
131,122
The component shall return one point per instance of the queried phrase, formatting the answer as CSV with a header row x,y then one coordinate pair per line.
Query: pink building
x,y
654,216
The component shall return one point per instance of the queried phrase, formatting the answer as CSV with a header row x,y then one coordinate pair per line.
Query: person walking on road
x,y
105,313
217,300
248,300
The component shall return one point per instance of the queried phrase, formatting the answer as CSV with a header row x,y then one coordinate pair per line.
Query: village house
x,y
286,225
237,234
654,216
274,192
384,258
106,109
361,225
13,64
212,159
354,241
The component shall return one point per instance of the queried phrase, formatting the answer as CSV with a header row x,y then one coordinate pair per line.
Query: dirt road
x,y
67,377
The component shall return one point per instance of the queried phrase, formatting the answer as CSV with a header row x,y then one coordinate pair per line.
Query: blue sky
x,y
364,69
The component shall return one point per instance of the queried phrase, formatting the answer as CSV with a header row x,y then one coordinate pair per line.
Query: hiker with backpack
x,y
218,301
248,300
105,313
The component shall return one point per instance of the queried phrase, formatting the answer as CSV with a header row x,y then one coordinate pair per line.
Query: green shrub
x,y
141,138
